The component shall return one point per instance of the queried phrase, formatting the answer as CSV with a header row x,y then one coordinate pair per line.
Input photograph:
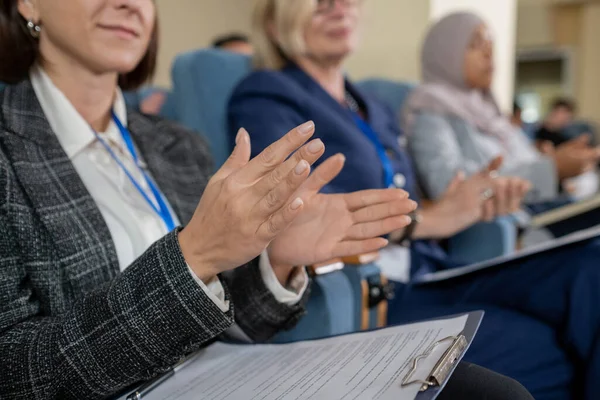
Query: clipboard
x,y
442,371
433,384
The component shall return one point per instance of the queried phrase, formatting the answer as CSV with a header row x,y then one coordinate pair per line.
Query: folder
x,y
565,213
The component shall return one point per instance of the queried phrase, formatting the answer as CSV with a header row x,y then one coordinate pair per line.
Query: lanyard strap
x,y
162,210
386,163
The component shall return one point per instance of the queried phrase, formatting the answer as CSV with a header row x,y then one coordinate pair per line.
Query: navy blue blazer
x,y
270,103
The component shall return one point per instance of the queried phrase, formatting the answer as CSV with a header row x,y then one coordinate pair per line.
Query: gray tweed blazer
x,y
72,326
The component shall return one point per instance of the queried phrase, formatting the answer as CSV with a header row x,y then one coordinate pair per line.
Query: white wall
x,y
191,24
393,32
501,16
392,37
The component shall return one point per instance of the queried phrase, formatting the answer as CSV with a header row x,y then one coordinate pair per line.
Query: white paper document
x,y
576,237
369,365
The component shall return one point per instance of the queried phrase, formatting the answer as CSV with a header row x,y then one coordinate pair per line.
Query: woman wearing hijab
x,y
542,323
453,122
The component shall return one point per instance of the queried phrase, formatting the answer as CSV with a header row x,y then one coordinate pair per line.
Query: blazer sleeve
x,y
135,326
130,329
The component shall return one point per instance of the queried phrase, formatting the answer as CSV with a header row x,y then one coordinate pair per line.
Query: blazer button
x,y
399,180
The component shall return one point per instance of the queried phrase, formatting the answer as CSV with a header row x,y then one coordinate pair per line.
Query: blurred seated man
x,y
552,129
516,117
234,42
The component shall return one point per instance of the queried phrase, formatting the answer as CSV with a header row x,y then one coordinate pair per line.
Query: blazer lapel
x,y
172,163
306,82
65,208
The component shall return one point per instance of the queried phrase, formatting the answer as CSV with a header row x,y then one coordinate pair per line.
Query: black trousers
x,y
472,382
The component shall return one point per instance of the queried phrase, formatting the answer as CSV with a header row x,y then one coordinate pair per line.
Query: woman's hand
x,y
482,197
338,225
509,193
248,203
574,157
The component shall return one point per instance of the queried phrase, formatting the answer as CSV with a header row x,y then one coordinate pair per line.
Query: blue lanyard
x,y
386,163
162,210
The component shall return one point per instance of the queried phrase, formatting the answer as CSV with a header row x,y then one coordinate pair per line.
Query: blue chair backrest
x,y
134,99
203,82
330,311
392,93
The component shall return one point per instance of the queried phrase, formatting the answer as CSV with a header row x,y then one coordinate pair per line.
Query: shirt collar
x,y
72,131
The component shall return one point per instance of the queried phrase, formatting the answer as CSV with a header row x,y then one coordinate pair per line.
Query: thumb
x,y
547,147
323,175
456,182
494,165
240,155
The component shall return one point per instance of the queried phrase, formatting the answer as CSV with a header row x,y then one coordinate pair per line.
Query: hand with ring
x,y
505,193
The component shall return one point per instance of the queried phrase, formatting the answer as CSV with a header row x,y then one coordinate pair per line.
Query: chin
x,y
341,52
118,60
120,66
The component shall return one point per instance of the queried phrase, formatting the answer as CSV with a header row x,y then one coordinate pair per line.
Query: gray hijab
x,y
444,90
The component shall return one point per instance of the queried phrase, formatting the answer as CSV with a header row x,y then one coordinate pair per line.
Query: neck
x,y
91,94
329,75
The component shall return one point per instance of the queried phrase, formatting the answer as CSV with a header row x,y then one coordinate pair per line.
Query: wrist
x,y
282,270
203,269
434,223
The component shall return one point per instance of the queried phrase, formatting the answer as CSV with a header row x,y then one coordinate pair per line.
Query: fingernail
x,y
306,128
315,146
296,204
414,204
301,167
240,135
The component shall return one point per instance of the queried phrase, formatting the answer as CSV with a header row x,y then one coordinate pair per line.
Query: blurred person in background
x,y
234,42
552,129
542,322
553,133
453,122
516,117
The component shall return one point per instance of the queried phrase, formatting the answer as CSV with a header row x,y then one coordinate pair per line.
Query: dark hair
x,y
563,102
517,107
225,40
19,51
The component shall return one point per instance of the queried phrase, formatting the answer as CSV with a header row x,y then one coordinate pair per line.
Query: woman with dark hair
x,y
99,286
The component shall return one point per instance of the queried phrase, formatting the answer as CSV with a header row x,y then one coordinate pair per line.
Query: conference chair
x,y
133,99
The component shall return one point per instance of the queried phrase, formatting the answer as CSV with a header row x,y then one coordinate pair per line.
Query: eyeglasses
x,y
324,6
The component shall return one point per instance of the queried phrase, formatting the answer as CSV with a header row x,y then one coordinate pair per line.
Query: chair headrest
x,y
203,82
393,93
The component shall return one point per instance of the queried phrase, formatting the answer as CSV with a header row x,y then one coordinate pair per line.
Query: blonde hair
x,y
286,17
